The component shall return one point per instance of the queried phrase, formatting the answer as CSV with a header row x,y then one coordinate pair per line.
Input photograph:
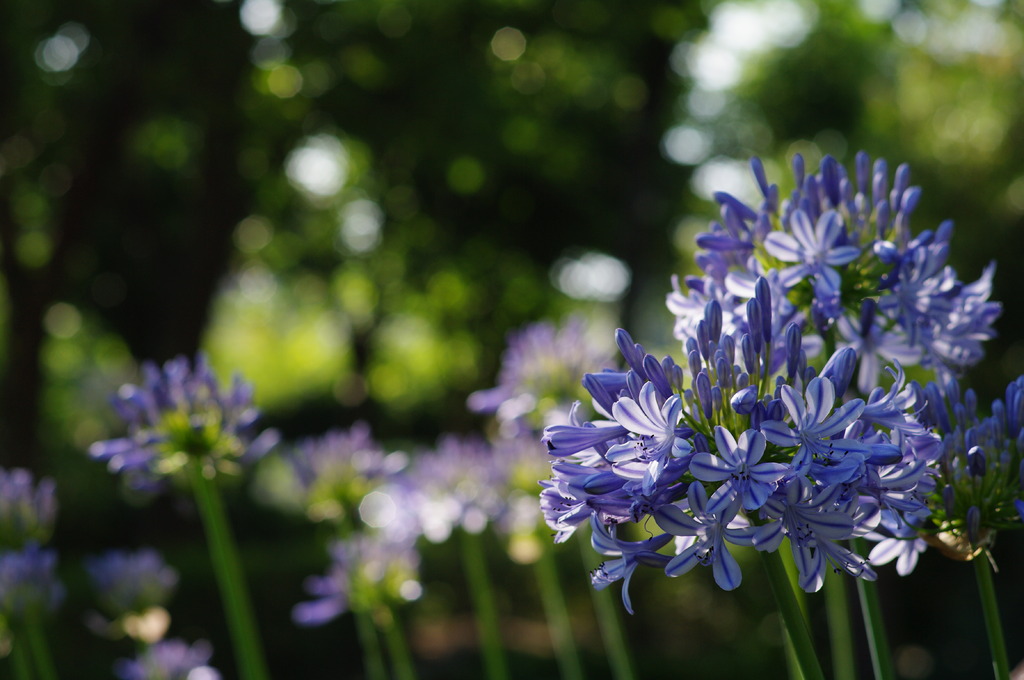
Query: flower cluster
x,y
728,454
460,483
133,588
172,659
347,480
842,264
28,579
980,470
28,582
364,571
27,509
332,474
539,376
180,414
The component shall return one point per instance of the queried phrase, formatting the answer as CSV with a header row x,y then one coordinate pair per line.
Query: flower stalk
x,y
792,617
40,650
839,633
401,661
612,636
557,614
228,571
874,625
482,594
990,607
20,662
373,657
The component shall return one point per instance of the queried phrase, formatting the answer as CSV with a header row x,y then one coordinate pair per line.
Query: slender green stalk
x,y
874,624
792,664
557,614
373,656
401,661
607,611
792,617
837,609
230,578
20,662
481,592
990,607
40,650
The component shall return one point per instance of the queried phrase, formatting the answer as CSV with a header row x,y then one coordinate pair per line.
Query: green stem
x,y
40,650
793,619
874,624
230,578
557,614
840,636
793,574
21,662
482,594
373,657
990,607
401,661
607,611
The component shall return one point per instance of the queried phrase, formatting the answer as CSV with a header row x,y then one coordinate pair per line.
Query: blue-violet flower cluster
x,y
841,263
181,414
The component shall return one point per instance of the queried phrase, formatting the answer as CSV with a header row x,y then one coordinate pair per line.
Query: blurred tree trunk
x,y
192,266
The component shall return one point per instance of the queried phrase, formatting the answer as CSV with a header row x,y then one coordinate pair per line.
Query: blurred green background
x,y
352,202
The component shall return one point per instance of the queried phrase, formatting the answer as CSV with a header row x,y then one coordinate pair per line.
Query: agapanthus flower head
x,y
131,582
980,470
460,483
173,659
365,570
539,375
28,582
842,264
179,414
333,473
747,446
28,508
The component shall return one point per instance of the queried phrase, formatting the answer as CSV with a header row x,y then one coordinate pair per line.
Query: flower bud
x,y
949,500
763,294
703,384
713,315
974,525
754,314
743,401
703,339
976,461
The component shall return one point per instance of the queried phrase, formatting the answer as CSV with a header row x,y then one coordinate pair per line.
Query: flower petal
x,y
727,570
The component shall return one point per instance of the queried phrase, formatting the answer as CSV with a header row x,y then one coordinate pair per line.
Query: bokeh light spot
x,y
508,44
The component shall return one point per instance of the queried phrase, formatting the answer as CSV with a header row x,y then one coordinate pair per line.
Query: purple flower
x,y
630,554
539,376
368,567
28,582
813,426
27,509
814,524
460,483
654,425
333,473
171,659
708,532
978,487
181,413
131,582
817,248
737,465
835,243
896,540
